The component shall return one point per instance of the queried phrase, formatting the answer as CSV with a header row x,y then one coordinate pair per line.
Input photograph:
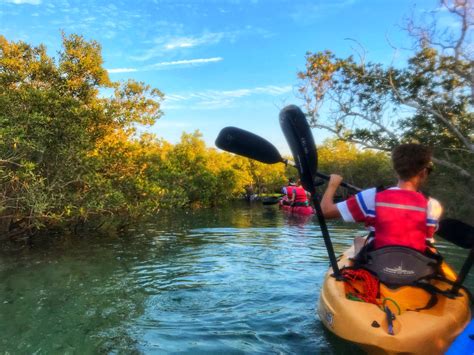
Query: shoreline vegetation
x,y
71,157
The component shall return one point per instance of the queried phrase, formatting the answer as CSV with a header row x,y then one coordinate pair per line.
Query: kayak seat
x,y
398,266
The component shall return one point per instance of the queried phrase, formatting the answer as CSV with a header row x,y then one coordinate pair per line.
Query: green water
x,y
241,279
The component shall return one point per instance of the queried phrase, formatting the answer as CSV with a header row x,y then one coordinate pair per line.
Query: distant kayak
x,y
415,327
300,210
271,200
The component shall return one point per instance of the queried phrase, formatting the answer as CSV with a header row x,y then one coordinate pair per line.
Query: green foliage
x,y
362,168
429,100
69,155
52,120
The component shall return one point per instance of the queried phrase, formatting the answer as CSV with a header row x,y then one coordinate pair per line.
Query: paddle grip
x,y
326,177
343,184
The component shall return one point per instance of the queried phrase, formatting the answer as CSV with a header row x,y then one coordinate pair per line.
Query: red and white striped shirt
x,y
361,208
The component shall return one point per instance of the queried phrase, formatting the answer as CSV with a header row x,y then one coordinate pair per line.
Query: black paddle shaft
x,y
464,272
462,235
298,135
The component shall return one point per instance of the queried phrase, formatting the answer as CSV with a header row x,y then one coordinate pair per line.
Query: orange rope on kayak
x,y
361,285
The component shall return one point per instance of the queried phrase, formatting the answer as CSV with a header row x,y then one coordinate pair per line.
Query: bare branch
x,y
370,120
416,105
453,166
360,51
352,140
462,10
465,140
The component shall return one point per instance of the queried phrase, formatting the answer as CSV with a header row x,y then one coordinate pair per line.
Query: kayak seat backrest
x,y
397,266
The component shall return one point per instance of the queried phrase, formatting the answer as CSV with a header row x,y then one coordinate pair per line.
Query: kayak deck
x,y
429,331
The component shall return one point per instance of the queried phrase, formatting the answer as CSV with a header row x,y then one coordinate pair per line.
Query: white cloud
x,y
216,99
190,41
122,70
21,2
186,62
164,65
270,90
166,43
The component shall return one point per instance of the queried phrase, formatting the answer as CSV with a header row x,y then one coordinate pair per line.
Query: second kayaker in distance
x,y
296,195
399,215
291,183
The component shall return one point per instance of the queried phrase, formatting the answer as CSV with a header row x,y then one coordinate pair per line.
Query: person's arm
x,y
328,206
434,213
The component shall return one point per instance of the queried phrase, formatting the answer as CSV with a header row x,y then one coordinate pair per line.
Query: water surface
x,y
241,279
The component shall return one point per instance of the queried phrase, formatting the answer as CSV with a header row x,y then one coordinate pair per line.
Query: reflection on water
x,y
242,279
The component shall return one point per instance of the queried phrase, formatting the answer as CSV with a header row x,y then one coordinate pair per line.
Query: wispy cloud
x,y
166,65
162,45
102,22
217,99
122,70
186,62
21,2
190,41
271,90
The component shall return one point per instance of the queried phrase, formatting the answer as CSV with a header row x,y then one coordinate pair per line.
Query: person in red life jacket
x,y
399,215
288,191
296,194
284,189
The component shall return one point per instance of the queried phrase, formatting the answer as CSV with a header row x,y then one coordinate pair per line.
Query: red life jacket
x,y
300,193
401,219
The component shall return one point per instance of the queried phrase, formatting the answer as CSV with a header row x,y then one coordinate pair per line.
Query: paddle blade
x,y
296,129
247,144
457,232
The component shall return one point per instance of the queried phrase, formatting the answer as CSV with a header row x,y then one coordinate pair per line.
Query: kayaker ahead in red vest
x,y
296,195
399,215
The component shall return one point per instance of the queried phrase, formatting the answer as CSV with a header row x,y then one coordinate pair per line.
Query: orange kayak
x,y
428,331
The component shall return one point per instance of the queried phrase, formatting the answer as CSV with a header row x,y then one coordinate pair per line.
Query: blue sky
x,y
218,62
